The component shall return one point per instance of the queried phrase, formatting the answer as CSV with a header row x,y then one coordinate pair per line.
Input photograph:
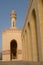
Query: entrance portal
x,y
13,49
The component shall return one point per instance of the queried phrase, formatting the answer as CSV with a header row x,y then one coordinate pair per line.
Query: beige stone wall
x,y
7,36
40,11
33,38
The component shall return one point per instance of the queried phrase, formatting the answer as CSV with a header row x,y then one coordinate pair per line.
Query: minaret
x,y
13,19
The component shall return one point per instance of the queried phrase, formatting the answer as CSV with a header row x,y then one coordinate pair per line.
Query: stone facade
x,y
32,33
11,42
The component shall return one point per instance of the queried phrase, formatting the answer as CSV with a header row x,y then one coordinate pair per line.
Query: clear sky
x,y
6,6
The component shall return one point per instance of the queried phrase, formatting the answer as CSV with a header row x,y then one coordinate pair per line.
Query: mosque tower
x,y
13,19
11,41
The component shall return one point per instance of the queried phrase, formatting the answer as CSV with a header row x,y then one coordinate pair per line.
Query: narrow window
x,y
13,23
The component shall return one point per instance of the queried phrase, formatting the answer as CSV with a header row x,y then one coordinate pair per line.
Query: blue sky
x,y
6,6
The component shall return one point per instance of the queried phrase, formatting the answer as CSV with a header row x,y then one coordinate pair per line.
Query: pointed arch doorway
x,y
13,49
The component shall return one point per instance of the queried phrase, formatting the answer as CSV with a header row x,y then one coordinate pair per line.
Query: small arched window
x,y
13,23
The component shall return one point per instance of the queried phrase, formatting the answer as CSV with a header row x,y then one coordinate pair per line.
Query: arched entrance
x,y
13,49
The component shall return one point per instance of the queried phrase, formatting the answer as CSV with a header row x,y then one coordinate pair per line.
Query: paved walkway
x,y
19,63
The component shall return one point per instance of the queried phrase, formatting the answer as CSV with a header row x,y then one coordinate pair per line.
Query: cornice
x,y
12,30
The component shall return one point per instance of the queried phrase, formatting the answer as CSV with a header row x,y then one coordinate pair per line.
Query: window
x,y
13,23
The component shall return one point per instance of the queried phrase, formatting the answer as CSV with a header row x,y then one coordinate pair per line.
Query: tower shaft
x,y
13,19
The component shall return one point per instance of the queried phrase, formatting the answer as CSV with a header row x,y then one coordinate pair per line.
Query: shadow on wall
x,y
0,56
